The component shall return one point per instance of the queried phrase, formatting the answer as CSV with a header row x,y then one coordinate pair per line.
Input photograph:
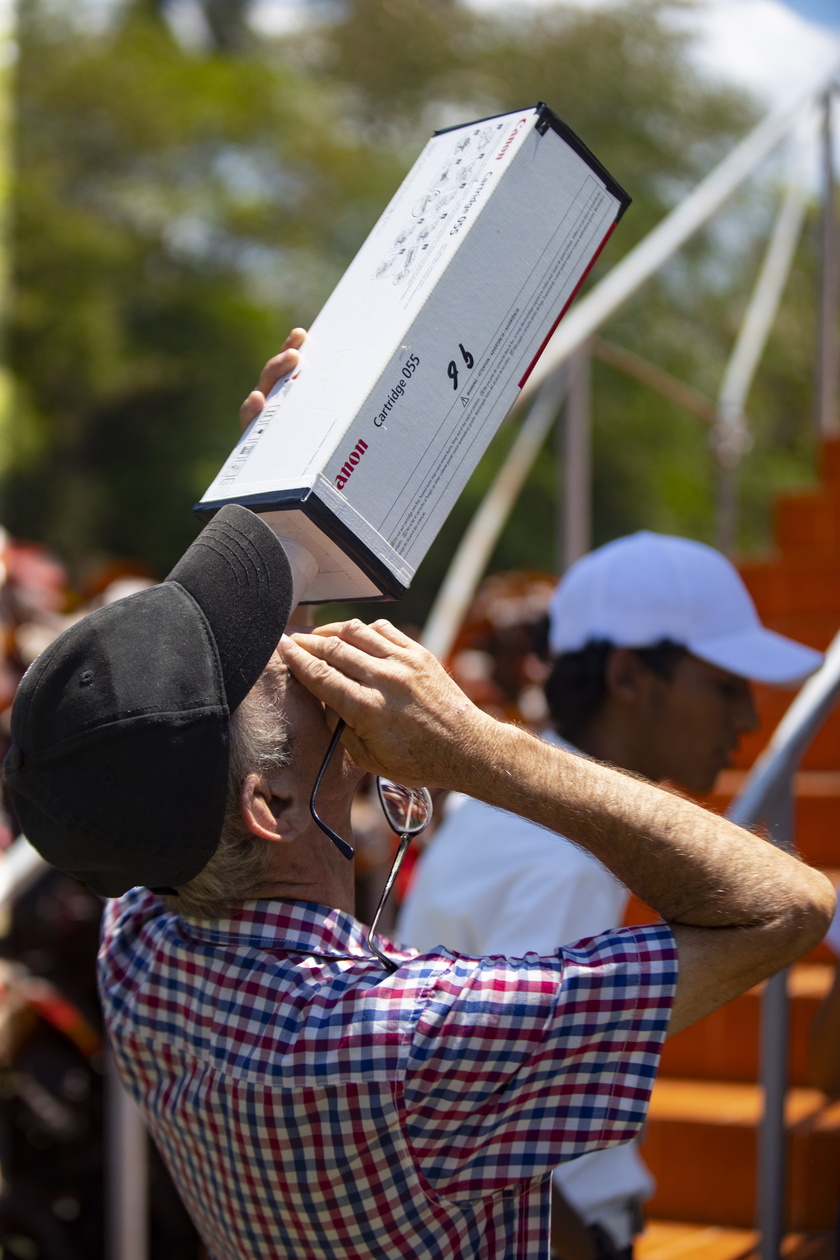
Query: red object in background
x,y
37,580
97,582
499,653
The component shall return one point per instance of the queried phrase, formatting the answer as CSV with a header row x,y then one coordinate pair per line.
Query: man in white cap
x,y
655,640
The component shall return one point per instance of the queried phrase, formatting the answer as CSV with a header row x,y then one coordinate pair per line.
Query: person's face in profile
x,y
693,721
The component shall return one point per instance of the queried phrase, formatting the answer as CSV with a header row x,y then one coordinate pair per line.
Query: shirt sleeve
x,y
519,1064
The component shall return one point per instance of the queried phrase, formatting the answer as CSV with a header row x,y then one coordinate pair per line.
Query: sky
x,y
825,11
771,47
775,49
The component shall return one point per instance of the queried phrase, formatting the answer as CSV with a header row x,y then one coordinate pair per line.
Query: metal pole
x,y
726,507
577,498
731,439
828,425
645,259
775,1036
655,378
126,1174
768,793
772,1154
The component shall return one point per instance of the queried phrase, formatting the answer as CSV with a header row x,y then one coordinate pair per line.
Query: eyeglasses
x,y
340,844
408,812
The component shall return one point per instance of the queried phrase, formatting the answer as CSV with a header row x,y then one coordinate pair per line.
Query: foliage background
x,y
177,206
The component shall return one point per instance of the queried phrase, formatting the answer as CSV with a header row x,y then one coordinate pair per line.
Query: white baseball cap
x,y
639,590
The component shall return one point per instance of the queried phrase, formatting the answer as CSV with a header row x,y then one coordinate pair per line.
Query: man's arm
x,y
740,909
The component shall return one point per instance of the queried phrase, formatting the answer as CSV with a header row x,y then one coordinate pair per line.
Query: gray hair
x,y
237,871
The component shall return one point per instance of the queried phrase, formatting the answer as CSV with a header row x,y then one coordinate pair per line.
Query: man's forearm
x,y
407,718
667,849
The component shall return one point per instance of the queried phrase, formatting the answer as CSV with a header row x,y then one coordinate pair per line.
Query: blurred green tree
x,y
171,212
623,77
175,211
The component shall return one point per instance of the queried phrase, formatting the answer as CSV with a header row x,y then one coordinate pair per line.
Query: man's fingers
x,y
251,408
277,367
392,633
378,639
359,751
348,659
405,716
295,339
317,672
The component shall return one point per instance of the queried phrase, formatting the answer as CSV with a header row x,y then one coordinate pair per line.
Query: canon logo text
x,y
351,462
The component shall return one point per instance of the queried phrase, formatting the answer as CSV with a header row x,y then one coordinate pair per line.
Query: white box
x,y
422,349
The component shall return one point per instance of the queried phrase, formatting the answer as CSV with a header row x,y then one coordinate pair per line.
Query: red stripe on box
x,y
574,294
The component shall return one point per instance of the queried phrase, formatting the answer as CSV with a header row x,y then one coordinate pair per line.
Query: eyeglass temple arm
x,y
343,847
405,841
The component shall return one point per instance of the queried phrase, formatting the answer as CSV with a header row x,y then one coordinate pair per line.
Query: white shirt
x,y
491,883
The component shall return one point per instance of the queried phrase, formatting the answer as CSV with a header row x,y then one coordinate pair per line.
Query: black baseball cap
x,y
119,760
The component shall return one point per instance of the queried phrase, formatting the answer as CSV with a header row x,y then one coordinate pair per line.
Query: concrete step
x,y
700,1144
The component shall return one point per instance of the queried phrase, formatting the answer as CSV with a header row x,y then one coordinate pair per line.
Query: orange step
x,y
808,522
725,1045
638,912
700,1139
672,1240
772,704
700,1144
786,584
817,814
829,463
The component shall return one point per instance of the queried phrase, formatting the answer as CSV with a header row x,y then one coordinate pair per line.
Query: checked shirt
x,y
311,1107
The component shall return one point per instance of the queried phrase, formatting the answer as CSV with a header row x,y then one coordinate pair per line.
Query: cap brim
x,y
239,575
759,654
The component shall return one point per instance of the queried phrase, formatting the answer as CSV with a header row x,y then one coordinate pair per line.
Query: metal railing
x,y
768,798
565,355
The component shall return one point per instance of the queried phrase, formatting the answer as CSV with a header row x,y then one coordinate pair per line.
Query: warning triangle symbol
x,y
464,400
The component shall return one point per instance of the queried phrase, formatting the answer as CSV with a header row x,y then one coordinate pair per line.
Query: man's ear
x,y
270,806
626,679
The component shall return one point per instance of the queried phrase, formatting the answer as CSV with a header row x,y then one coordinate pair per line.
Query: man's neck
x,y
312,869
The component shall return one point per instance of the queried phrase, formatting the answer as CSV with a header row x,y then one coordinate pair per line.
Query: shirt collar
x,y
293,926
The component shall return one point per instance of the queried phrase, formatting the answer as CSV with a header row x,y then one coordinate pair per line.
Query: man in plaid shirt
x,y
308,1102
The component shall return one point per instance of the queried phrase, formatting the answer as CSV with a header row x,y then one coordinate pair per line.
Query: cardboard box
x,y
422,349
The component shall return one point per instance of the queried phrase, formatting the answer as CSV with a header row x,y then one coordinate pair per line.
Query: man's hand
x,y
406,718
740,909
278,366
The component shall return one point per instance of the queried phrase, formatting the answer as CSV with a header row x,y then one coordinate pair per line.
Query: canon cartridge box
x,y
422,349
